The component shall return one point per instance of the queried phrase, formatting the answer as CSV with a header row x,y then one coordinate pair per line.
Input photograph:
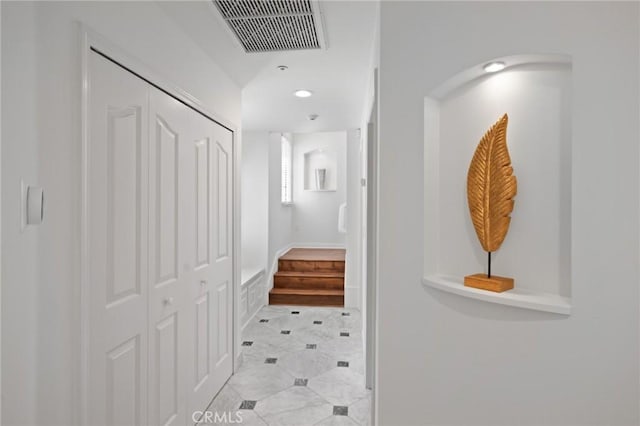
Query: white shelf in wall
x,y
518,297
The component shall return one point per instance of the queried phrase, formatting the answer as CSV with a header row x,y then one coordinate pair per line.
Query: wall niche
x,y
320,170
535,91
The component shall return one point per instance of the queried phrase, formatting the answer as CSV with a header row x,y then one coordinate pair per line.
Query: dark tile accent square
x,y
295,312
300,382
340,410
247,343
250,405
317,322
264,320
344,334
346,314
343,363
285,332
312,346
270,360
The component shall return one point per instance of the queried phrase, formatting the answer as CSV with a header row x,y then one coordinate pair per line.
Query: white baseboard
x,y
352,297
246,323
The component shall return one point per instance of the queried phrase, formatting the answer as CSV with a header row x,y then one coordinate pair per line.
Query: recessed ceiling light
x,y
282,67
494,66
302,93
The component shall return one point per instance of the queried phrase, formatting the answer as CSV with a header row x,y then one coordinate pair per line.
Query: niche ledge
x,y
518,297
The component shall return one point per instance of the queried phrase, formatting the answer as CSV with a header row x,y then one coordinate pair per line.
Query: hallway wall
x,y
20,255
255,200
280,216
353,266
41,271
316,212
503,365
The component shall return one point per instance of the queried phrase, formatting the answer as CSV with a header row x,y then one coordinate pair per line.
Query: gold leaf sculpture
x,y
491,187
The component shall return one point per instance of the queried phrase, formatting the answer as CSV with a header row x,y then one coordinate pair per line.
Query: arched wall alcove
x,y
535,91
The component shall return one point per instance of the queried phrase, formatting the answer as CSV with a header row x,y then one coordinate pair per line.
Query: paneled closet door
x,y
221,274
200,383
211,293
117,170
160,250
171,254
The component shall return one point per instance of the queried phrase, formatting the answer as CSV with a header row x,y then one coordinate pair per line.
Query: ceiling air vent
x,y
273,25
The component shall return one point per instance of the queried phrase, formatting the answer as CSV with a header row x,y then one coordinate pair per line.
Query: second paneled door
x,y
190,262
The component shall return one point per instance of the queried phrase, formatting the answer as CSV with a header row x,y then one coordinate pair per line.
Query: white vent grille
x,y
272,25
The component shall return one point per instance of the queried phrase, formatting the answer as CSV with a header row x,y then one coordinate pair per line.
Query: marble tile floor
x,y
301,366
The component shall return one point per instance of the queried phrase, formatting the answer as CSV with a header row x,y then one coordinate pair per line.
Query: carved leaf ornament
x,y
491,187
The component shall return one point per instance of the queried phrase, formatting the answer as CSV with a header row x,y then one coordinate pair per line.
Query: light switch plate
x,y
30,197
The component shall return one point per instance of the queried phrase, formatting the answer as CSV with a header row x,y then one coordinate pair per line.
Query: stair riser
x,y
309,283
305,300
310,266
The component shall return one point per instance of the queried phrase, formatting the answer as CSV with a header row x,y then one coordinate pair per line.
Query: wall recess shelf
x,y
518,297
320,158
535,90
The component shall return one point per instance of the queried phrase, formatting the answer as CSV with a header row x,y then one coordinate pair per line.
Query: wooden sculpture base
x,y
495,283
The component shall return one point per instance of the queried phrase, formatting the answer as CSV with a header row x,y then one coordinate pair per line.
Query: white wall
x,y
280,216
368,208
42,143
255,200
20,257
444,359
0,219
315,220
353,266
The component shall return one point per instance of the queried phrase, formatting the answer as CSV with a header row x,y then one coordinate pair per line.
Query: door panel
x,y
202,341
123,405
169,332
117,269
166,201
222,267
203,190
222,200
166,354
222,343
123,211
208,376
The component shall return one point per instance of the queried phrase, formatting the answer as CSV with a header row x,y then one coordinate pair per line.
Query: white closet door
x,y
200,384
160,250
170,258
211,288
221,275
117,170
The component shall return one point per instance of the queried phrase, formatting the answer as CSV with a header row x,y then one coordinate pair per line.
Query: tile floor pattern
x,y
301,366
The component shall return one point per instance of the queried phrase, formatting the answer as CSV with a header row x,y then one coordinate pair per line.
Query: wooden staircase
x,y
309,277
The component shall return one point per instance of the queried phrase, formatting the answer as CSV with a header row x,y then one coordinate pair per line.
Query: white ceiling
x,y
338,76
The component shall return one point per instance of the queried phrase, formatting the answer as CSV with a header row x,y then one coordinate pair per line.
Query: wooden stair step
x,y
313,297
315,254
311,274
311,265
309,280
